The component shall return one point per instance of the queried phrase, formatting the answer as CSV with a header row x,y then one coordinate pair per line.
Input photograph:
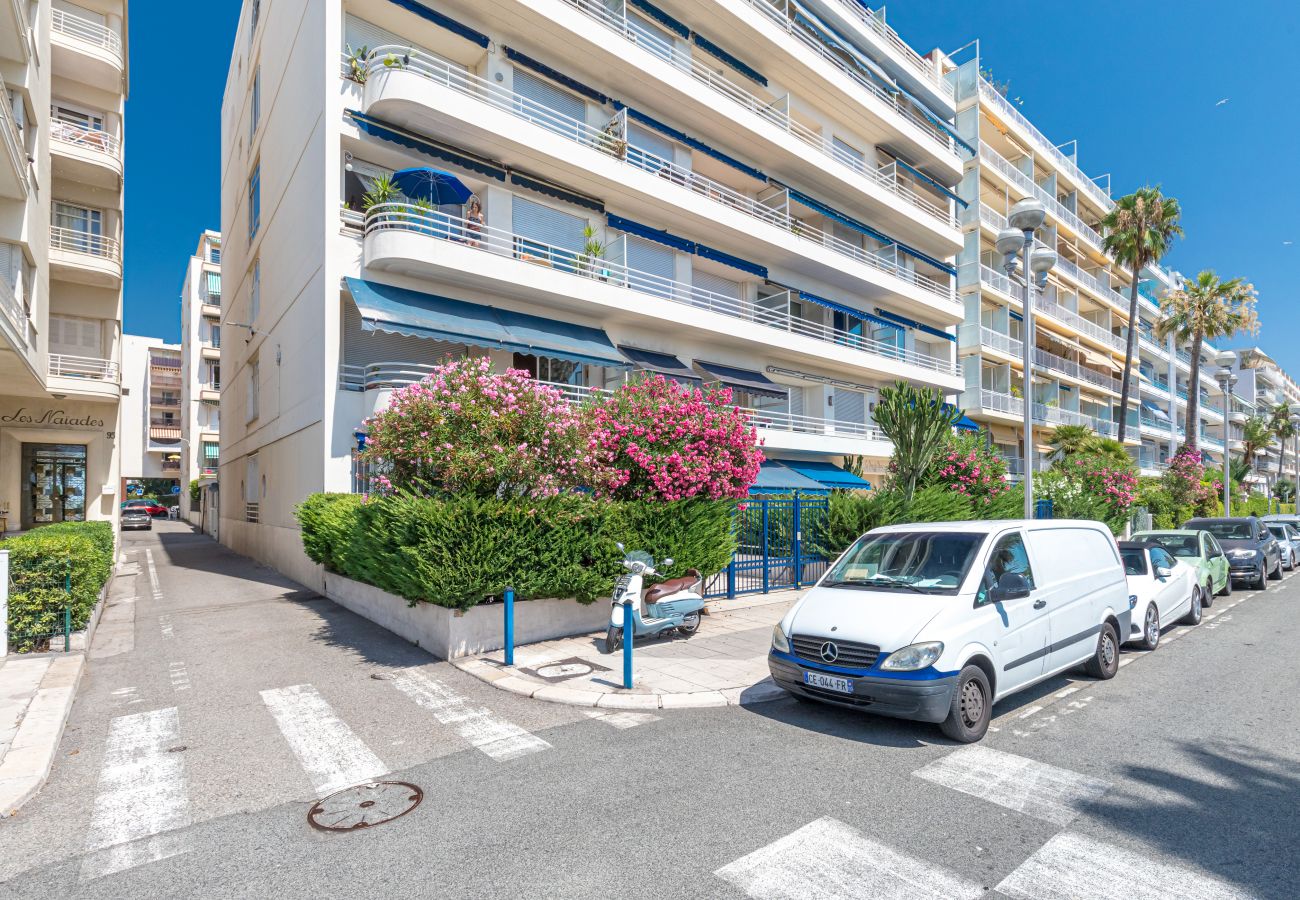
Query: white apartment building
x,y
201,379
756,193
150,432
63,84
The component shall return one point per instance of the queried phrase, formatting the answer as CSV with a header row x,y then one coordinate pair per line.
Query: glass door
x,y
56,484
83,228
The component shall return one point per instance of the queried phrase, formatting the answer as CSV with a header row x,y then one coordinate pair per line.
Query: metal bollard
x,y
628,628
510,625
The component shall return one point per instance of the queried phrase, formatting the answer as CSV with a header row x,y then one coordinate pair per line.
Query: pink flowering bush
x,y
966,465
657,440
1090,486
467,430
1186,483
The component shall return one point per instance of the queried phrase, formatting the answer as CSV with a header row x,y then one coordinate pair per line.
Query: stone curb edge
x,y
17,789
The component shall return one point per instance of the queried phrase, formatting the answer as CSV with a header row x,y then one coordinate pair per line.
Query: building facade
x,y
753,194
151,417
63,85
201,379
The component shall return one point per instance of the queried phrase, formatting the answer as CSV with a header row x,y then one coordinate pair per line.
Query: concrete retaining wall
x,y
452,633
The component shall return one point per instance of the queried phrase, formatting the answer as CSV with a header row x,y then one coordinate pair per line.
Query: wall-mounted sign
x,y
48,418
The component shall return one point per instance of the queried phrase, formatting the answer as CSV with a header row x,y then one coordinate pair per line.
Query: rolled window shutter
x,y
548,226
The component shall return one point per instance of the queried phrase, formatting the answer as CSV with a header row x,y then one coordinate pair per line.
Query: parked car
x,y
1288,539
937,622
1201,551
136,517
1162,589
1253,553
150,506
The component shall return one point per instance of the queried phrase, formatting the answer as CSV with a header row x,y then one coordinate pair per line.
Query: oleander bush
x,y
64,565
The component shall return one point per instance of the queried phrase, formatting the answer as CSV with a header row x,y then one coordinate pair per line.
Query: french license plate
x,y
829,682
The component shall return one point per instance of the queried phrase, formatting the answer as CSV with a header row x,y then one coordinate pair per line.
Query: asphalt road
x,y
196,749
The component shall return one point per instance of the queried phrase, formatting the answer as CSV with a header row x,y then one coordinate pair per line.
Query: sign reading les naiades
x,y
50,418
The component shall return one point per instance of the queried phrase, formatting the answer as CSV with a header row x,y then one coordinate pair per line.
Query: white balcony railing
x,y
10,136
89,367
994,340
1044,413
996,280
876,23
75,241
1007,109
402,217
1072,369
86,138
610,141
388,375
1065,267
74,26
990,157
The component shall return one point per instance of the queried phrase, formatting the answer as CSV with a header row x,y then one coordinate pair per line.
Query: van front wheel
x,y
1105,659
971,709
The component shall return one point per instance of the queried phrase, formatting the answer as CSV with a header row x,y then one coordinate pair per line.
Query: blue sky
x,y
1135,82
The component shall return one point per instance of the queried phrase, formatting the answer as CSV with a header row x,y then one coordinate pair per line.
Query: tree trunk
x,y
1194,396
1128,354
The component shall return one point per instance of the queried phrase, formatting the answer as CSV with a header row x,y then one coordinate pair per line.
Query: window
x,y
252,479
915,562
254,374
80,228
215,337
214,255
216,377
73,336
255,295
254,14
1135,562
1161,559
255,200
1008,555
255,109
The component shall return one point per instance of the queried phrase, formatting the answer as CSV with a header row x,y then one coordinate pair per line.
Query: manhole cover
x,y
573,667
365,806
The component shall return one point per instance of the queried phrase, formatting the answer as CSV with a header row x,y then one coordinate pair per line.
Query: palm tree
x,y
1279,420
1256,435
1138,230
1207,307
918,421
1070,439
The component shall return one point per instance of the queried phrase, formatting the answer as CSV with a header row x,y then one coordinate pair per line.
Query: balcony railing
x,y
1000,282
74,26
12,309
995,340
88,367
911,57
252,513
1006,108
86,138
385,376
406,218
10,136
75,241
165,402
990,157
610,141
997,221
1044,413
1060,364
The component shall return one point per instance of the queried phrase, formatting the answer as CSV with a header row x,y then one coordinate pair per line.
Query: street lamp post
x,y
1226,378
1026,217
1294,409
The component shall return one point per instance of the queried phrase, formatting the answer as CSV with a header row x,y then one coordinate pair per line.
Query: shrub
x,y
1088,486
53,567
967,465
655,439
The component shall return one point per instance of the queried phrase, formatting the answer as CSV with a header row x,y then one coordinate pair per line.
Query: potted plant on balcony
x,y
356,61
592,249
614,143
381,190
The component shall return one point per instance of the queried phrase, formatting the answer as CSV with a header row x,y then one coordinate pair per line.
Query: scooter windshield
x,y
642,557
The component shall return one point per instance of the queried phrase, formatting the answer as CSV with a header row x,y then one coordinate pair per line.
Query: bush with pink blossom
x,y
967,465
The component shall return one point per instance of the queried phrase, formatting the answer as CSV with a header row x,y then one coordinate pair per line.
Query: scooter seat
x,y
672,586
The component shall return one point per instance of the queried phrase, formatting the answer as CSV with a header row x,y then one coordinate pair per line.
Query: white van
x,y
938,621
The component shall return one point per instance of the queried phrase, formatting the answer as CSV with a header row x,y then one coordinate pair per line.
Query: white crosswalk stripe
x,y
1037,789
622,719
330,753
496,737
829,860
1070,866
142,798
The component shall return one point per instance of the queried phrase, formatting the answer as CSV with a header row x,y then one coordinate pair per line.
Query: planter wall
x,y
452,633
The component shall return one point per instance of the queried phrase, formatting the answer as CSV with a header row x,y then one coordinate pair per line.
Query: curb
x,y
507,680
27,763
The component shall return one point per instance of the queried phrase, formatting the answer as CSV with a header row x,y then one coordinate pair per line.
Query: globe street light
x,y
1026,217
1226,378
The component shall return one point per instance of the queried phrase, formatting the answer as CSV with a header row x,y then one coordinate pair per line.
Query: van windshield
x,y
923,562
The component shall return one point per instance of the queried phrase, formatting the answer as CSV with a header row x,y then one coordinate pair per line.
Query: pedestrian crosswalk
x,y
483,730
330,753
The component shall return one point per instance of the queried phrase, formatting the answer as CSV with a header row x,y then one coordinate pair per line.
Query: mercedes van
x,y
939,621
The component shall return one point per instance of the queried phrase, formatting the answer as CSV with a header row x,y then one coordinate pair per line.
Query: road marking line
x,y
1029,712
622,719
165,623
496,737
1037,789
829,860
142,793
1071,865
153,575
1125,661
1067,692
180,677
327,749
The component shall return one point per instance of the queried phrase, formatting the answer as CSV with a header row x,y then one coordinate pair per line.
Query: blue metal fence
x,y
774,547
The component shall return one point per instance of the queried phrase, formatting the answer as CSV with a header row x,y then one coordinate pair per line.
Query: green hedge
x,y
41,562
456,551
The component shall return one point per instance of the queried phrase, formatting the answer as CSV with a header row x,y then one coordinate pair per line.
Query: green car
x,y
1199,550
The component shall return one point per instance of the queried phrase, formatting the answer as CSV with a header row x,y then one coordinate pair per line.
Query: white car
x,y
1288,538
1163,589
938,621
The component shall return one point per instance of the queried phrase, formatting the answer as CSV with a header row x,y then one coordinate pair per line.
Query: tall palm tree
x,y
1279,420
1255,436
1138,231
1207,307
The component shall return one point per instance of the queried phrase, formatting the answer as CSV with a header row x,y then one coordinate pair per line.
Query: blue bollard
x,y
628,628
510,626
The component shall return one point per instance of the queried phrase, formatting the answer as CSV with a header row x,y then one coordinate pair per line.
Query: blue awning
x,y
827,474
661,363
394,134
718,53
660,236
682,138
384,307
862,228
775,478
551,189
558,77
662,18
926,178
966,423
912,323
848,310
442,21
1016,316
727,259
744,380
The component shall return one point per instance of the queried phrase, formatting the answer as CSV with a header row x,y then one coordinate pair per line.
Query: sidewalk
x,y
722,664
36,695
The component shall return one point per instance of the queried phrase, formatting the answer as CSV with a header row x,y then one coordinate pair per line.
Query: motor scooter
x,y
670,605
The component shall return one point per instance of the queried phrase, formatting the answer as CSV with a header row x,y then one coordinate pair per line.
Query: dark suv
x,y
1253,553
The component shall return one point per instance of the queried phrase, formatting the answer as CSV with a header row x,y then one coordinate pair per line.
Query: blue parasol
x,y
434,185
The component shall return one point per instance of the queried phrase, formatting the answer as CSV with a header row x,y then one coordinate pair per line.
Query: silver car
x,y
1288,538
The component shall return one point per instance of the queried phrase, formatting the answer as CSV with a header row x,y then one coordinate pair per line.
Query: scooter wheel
x,y
613,639
690,624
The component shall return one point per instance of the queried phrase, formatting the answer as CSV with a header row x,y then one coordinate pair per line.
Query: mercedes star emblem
x,y
830,652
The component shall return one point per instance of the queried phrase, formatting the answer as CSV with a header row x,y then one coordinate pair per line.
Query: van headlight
x,y
913,657
779,640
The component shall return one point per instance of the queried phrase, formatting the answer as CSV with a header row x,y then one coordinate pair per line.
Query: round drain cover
x,y
564,670
365,806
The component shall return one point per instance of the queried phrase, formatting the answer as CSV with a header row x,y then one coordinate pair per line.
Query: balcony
x,y
401,238
1015,293
85,155
210,392
1012,175
481,115
1045,414
86,51
14,168
165,402
211,353
83,375
15,326
991,339
85,258
15,31
1072,369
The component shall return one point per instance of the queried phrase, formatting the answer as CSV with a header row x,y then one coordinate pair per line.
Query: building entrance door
x,y
55,489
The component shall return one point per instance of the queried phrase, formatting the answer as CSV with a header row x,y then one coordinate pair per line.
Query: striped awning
x,y
164,432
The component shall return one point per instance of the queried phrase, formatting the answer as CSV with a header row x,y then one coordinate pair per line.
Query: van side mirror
x,y
1011,586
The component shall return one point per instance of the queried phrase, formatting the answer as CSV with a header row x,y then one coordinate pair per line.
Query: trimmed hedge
x,y
40,561
457,551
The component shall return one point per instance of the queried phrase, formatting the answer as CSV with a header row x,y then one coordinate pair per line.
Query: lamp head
x,y
1041,261
1027,215
1226,359
1009,243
